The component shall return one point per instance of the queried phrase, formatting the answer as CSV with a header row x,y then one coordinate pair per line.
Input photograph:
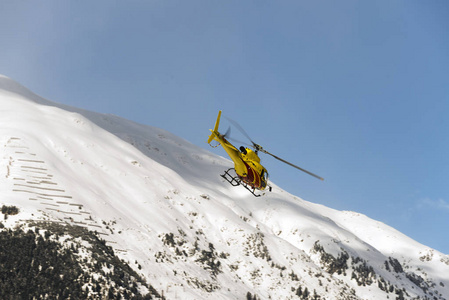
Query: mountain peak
x,y
158,201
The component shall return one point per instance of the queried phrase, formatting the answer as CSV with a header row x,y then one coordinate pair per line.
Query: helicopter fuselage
x,y
247,165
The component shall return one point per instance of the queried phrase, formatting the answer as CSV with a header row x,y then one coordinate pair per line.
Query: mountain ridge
x,y
157,200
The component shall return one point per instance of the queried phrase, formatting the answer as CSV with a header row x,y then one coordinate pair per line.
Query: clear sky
x,y
354,91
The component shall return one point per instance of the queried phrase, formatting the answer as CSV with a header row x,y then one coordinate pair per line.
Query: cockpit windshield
x,y
264,175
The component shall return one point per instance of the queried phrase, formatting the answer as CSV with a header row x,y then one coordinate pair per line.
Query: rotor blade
x,y
289,163
240,128
238,142
227,135
228,132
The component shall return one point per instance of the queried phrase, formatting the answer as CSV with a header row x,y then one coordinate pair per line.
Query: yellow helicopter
x,y
247,168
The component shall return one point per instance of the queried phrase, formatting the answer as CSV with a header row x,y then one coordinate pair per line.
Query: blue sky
x,y
354,91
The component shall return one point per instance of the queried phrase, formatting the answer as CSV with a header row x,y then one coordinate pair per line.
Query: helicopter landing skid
x,y
235,181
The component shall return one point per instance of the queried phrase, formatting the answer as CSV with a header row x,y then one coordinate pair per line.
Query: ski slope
x,y
159,201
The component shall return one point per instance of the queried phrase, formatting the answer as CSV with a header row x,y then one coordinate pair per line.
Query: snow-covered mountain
x,y
161,205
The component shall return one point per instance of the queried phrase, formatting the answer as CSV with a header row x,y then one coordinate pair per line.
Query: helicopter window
x,y
264,175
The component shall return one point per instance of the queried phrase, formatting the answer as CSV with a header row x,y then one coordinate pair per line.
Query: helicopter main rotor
x,y
258,148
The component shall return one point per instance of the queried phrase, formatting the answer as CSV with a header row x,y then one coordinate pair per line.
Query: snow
x,y
135,184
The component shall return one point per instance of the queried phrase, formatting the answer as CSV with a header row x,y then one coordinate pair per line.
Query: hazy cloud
x,y
440,204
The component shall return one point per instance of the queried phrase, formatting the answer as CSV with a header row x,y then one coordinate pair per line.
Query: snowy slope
x,y
159,202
